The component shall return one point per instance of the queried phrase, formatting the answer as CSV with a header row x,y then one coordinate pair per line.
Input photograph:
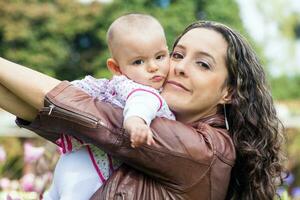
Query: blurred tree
x,y
224,11
285,87
66,39
54,37
12,167
297,30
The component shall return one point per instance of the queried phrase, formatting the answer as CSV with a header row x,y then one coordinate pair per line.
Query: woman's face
x,y
195,85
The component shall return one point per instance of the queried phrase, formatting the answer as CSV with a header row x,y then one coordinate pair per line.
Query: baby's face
x,y
144,58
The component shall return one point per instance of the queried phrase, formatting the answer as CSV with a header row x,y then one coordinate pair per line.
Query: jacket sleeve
x,y
180,156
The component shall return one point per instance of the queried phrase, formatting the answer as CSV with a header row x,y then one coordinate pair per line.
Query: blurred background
x,y
66,39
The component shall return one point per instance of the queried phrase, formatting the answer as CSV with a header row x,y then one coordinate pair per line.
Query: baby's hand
x,y
139,132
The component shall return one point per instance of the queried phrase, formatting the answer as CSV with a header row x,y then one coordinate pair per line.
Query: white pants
x,y
75,177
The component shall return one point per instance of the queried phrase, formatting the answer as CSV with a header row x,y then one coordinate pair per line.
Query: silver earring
x,y
226,122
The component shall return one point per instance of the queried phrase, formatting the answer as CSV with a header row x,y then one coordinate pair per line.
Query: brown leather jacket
x,y
186,162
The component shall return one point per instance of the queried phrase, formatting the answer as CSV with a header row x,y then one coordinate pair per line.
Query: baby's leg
x,y
75,177
52,192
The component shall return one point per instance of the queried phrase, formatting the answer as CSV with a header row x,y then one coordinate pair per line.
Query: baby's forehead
x,y
139,35
135,31
134,25
133,21
139,44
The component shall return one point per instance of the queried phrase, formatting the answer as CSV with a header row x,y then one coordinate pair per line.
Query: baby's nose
x,y
152,68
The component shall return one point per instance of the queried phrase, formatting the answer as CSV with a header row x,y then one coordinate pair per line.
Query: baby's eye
x,y
160,57
138,62
177,55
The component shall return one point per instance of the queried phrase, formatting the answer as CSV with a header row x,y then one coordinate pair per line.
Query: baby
x,y
140,64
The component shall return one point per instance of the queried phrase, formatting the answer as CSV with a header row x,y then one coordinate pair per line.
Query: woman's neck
x,y
189,118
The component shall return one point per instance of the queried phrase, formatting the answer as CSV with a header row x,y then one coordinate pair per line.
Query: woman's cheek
x,y
172,99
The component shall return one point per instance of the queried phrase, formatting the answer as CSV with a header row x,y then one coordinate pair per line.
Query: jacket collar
x,y
217,120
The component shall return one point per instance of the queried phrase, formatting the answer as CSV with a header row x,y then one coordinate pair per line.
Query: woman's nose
x,y
180,68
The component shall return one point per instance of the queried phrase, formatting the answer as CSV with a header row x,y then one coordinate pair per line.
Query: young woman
x,y
225,144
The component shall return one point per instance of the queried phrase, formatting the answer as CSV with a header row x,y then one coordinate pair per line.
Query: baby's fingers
x,y
136,138
139,136
150,140
133,139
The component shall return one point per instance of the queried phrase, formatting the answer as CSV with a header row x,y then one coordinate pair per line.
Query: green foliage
x,y
224,11
285,87
12,167
66,39
50,36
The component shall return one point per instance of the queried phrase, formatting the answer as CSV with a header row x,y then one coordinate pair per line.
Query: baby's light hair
x,y
129,23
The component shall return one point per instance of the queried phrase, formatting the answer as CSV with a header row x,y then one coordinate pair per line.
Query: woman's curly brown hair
x,y
254,126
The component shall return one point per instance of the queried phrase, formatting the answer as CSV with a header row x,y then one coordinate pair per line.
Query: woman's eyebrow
x,y
208,55
199,52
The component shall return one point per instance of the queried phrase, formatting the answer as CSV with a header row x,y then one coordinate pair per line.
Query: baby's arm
x,y
139,132
140,109
141,106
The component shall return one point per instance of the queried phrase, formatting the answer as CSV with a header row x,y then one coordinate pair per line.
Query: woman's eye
x,y
177,55
203,64
138,62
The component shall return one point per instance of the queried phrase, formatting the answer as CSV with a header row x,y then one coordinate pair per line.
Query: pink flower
x,y
31,153
27,182
4,183
8,197
2,154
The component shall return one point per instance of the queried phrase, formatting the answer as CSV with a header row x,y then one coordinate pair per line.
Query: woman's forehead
x,y
204,40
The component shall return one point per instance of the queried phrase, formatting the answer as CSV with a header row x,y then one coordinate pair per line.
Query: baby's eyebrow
x,y
180,46
162,51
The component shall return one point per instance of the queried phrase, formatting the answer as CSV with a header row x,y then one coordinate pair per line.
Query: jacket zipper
x,y
51,106
80,118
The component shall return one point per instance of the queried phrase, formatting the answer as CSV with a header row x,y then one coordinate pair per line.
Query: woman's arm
x,y
71,111
29,85
14,105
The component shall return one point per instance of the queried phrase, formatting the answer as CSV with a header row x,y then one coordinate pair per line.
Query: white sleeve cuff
x,y
143,104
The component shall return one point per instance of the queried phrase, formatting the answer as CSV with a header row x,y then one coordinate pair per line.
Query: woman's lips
x,y
177,85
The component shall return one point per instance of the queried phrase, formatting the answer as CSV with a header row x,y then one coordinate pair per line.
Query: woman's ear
x,y
227,96
113,66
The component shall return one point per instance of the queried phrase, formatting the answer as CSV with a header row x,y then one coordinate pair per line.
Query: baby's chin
x,y
157,86
154,85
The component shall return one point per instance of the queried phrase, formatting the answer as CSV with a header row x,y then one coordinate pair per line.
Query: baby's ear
x,y
113,66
